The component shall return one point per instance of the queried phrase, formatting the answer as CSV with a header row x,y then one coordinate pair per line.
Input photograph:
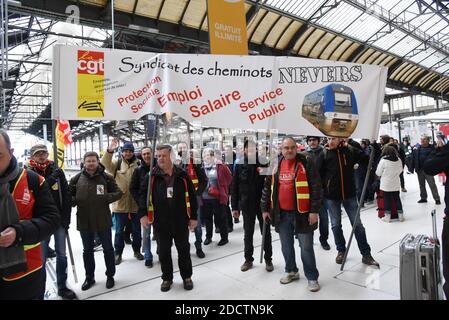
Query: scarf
x,y
12,259
38,167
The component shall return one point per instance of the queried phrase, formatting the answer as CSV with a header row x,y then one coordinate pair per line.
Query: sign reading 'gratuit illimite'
x,y
227,27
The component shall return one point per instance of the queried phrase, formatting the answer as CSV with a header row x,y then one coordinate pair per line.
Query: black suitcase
x,y
419,266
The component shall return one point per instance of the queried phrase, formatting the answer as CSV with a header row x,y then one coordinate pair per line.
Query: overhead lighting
x,y
144,29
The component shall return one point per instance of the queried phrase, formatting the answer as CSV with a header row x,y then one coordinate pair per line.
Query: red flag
x,y
64,128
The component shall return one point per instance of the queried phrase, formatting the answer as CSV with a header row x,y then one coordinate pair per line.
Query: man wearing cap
x,y
126,207
314,149
59,188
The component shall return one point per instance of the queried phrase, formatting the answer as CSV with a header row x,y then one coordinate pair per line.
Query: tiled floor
x,y
218,276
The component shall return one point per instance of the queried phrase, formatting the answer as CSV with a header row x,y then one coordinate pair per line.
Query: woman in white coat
x,y
389,169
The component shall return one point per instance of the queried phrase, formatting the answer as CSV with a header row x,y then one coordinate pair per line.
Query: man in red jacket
x,y
28,215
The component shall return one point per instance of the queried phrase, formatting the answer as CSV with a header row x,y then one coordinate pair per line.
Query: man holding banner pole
x,y
57,181
337,174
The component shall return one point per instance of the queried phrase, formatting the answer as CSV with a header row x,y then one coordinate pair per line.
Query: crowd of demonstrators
x,y
126,207
59,189
438,161
337,173
92,190
215,197
172,211
199,179
420,155
291,200
28,216
246,195
314,149
294,190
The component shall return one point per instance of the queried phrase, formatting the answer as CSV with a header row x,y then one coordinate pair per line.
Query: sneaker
x,y
87,284
339,258
246,266
207,241
313,285
325,245
148,263
401,217
289,277
188,284
110,282
138,256
67,294
269,265
118,259
369,260
403,190
422,201
437,202
166,285
386,218
222,242
236,220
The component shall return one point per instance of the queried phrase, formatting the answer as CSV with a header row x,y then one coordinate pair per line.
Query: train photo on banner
x,y
332,110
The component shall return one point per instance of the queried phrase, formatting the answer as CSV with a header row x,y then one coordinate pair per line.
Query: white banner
x,y
293,95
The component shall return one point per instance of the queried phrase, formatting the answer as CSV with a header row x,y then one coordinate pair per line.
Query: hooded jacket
x,y
337,170
92,195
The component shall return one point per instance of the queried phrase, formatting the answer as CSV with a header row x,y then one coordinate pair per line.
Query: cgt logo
x,y
90,62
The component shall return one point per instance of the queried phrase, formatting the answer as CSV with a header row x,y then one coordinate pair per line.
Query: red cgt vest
x,y
301,188
192,174
24,198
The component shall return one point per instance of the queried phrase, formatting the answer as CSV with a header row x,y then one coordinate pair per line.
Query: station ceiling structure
x,y
410,37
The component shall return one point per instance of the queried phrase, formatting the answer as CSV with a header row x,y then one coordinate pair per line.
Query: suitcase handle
x,y
434,225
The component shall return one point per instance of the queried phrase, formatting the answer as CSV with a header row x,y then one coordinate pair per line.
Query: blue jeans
x,y
350,205
61,257
88,252
119,242
286,234
148,256
324,222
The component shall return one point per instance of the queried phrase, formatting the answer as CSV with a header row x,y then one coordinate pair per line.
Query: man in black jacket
x,y
246,194
59,188
138,192
198,176
337,174
420,155
28,215
172,212
436,162
291,199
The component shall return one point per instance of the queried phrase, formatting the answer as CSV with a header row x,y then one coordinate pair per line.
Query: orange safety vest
x,y
192,175
151,208
301,188
24,198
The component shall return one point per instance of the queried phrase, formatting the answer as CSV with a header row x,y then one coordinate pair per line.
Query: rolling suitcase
x,y
419,266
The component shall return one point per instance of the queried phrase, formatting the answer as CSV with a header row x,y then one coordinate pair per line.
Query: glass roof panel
x,y
340,18
364,27
301,8
389,39
405,46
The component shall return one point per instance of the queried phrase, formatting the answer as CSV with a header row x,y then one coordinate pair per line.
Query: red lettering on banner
x,y
264,98
215,104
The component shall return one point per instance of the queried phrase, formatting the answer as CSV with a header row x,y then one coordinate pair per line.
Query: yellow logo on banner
x,y
90,84
227,27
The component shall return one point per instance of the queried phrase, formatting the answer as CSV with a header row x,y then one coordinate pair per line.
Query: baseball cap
x,y
37,148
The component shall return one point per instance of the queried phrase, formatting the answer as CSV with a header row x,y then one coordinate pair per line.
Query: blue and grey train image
x,y
332,110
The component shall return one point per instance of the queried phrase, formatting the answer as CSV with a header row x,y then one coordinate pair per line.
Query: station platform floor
x,y
218,275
